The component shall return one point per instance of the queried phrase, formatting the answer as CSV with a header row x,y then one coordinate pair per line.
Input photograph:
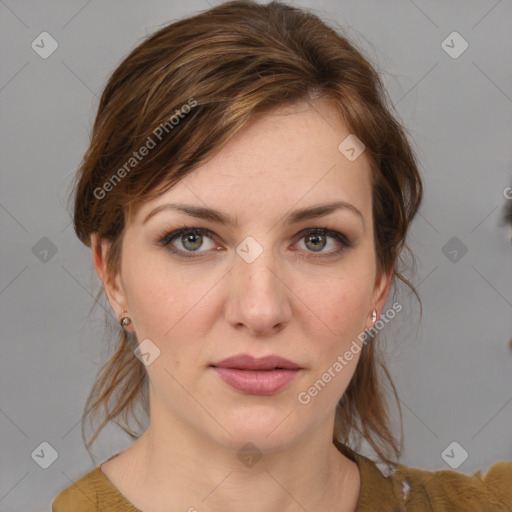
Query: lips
x,y
247,362
264,376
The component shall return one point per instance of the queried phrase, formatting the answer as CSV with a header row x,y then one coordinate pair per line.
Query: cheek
x,y
164,299
341,302
342,308
153,293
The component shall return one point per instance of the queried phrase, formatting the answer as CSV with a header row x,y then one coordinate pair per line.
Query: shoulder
x,y
93,492
400,488
450,491
81,495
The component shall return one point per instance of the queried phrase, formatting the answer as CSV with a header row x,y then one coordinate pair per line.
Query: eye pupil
x,y
187,238
317,241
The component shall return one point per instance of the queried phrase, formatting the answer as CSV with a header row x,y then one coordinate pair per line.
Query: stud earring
x,y
374,315
125,320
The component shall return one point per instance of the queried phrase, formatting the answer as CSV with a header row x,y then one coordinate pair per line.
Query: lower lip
x,y
256,382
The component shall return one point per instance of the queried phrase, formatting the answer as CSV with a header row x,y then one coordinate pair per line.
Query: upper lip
x,y
247,362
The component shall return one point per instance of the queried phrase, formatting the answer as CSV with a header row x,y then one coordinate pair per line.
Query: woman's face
x,y
264,284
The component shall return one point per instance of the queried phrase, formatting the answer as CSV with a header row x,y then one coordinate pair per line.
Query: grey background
x,y
452,370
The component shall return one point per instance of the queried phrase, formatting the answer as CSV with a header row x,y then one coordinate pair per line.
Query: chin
x,y
269,429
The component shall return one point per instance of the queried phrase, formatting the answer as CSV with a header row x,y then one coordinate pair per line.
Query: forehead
x,y
288,156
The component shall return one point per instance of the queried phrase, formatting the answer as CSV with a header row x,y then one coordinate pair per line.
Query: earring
x,y
374,315
125,320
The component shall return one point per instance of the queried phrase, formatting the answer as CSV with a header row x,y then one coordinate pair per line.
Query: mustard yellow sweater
x,y
399,489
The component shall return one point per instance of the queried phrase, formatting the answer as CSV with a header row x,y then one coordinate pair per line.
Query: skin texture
x,y
292,300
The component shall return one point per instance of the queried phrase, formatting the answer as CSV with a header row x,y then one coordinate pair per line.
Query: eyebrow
x,y
219,217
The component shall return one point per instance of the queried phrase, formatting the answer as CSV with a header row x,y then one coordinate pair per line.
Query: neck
x,y
174,465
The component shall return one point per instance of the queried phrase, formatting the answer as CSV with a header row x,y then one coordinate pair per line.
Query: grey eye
x,y
192,241
318,242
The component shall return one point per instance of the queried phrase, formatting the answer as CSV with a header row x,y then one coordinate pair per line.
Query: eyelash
x,y
168,238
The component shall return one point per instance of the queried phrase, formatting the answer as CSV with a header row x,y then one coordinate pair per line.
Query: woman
x,y
247,196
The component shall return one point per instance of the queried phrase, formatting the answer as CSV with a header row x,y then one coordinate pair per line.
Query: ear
x,y
111,283
381,291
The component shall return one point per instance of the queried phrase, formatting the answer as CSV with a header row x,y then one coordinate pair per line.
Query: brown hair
x,y
184,92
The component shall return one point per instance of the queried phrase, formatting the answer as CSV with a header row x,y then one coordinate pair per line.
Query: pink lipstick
x,y
263,376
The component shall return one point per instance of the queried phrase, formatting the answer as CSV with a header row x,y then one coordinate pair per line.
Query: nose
x,y
259,297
